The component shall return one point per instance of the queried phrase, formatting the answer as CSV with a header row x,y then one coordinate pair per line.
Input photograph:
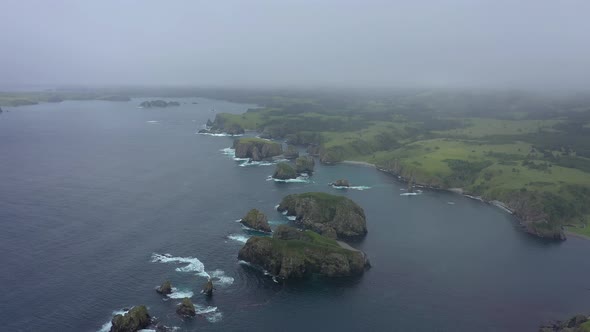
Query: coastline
x,y
460,191
359,163
579,236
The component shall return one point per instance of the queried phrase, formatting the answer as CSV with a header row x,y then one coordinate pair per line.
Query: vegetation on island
x,y
330,215
292,253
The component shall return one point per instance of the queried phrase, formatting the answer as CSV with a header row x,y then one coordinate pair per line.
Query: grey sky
x,y
496,43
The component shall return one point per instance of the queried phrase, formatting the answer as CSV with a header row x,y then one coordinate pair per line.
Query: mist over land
x,y
450,44
135,133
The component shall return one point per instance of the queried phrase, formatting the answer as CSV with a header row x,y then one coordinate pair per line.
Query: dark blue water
x,y
90,191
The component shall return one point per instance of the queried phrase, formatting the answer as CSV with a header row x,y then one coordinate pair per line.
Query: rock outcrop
x,y
341,183
256,220
304,164
291,152
165,288
208,288
313,150
136,319
284,171
529,209
186,308
256,149
291,253
578,323
158,103
329,215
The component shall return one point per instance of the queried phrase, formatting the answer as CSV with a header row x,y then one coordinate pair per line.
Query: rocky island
x,y
329,215
284,171
158,103
340,183
136,319
256,220
256,148
292,253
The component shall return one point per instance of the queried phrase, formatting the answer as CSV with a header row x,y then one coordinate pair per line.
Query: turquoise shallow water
x,y
102,201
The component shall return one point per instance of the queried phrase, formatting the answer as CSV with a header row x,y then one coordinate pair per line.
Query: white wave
x,y
299,179
106,327
218,134
277,206
146,330
292,218
153,121
255,163
238,237
244,263
193,264
285,212
180,294
220,278
409,194
210,313
451,203
352,187
229,151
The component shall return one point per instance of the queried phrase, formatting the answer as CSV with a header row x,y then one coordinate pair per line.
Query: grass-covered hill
x,y
529,151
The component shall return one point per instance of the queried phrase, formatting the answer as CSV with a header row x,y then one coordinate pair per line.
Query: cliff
x,y
291,253
256,149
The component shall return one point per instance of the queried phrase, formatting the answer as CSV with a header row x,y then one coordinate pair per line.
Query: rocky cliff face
x,y
533,219
256,149
329,215
291,253
304,164
292,152
256,220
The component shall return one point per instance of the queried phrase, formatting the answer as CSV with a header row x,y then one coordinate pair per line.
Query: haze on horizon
x,y
528,44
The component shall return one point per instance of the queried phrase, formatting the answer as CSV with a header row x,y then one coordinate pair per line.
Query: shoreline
x,y
579,236
459,191
358,163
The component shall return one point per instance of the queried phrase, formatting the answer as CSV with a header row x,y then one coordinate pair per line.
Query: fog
x,y
499,44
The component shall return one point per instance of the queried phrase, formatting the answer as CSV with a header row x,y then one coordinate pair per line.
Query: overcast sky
x,y
437,43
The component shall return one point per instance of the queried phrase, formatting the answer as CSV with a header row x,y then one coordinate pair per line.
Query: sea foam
x,y
352,187
180,294
238,238
192,264
299,179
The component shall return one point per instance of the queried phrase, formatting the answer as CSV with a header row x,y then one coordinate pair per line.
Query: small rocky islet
x,y
158,103
256,220
304,165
